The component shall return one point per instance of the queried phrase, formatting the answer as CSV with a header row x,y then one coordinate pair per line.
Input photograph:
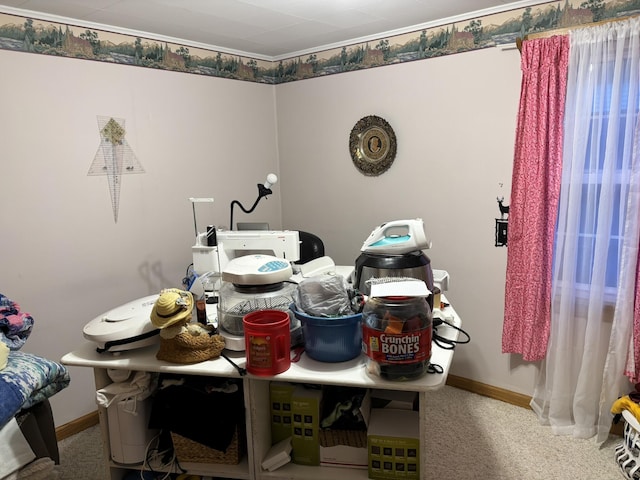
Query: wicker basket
x,y
628,452
188,451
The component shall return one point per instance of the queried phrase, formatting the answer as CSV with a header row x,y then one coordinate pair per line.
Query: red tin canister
x,y
267,342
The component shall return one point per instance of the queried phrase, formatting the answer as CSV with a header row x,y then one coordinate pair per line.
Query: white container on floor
x,y
129,434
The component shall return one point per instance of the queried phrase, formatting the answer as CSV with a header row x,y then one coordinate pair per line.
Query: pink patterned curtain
x,y
632,370
633,356
535,190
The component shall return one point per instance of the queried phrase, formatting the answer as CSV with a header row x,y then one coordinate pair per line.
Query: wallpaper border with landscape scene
x,y
65,40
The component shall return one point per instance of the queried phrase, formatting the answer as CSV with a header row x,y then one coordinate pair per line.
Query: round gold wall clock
x,y
372,144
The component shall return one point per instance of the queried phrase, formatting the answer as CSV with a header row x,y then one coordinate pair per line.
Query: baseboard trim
x,y
490,391
77,425
506,396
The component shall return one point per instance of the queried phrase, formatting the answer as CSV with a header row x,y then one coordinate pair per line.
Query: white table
x,y
256,394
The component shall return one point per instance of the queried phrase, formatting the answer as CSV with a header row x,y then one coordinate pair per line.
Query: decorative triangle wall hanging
x,y
114,158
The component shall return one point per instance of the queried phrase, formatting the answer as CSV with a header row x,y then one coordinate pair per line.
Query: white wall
x,y
65,260
454,118
62,256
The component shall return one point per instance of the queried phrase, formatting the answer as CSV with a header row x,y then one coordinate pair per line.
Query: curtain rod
x,y
565,30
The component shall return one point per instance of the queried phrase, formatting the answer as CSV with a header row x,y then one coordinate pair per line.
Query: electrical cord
x,y
189,276
435,368
163,459
443,342
241,371
447,343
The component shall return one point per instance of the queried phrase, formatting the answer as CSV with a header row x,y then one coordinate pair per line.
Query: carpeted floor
x,y
469,436
81,456
472,436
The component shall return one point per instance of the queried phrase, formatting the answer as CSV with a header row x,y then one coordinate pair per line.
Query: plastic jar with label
x,y
396,337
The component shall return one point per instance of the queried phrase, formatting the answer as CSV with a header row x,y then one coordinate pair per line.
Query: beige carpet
x,y
476,437
81,456
469,436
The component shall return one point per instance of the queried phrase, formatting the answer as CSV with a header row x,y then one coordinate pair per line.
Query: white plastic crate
x,y
627,454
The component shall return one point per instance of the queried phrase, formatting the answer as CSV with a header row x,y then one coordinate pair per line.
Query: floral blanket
x,y
15,326
26,380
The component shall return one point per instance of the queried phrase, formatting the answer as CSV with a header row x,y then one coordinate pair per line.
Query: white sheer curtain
x,y
597,234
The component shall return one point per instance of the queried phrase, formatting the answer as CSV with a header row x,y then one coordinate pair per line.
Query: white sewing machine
x,y
211,255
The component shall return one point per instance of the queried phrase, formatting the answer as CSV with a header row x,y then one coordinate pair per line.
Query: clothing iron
x,y
397,237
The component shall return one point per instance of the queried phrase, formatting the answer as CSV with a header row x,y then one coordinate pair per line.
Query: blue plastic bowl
x,y
335,339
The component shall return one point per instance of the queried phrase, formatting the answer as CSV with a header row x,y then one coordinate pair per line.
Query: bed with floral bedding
x,y
27,381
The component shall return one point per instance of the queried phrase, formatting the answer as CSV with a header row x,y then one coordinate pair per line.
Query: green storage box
x,y
393,444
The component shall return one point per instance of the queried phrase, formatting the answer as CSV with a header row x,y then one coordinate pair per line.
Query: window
x,y
606,141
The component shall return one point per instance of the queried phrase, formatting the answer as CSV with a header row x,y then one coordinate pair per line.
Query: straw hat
x,y
172,306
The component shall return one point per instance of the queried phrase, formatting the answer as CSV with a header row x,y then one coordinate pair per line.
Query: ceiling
x,y
266,29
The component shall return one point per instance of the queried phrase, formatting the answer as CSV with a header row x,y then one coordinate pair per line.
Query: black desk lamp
x,y
264,189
